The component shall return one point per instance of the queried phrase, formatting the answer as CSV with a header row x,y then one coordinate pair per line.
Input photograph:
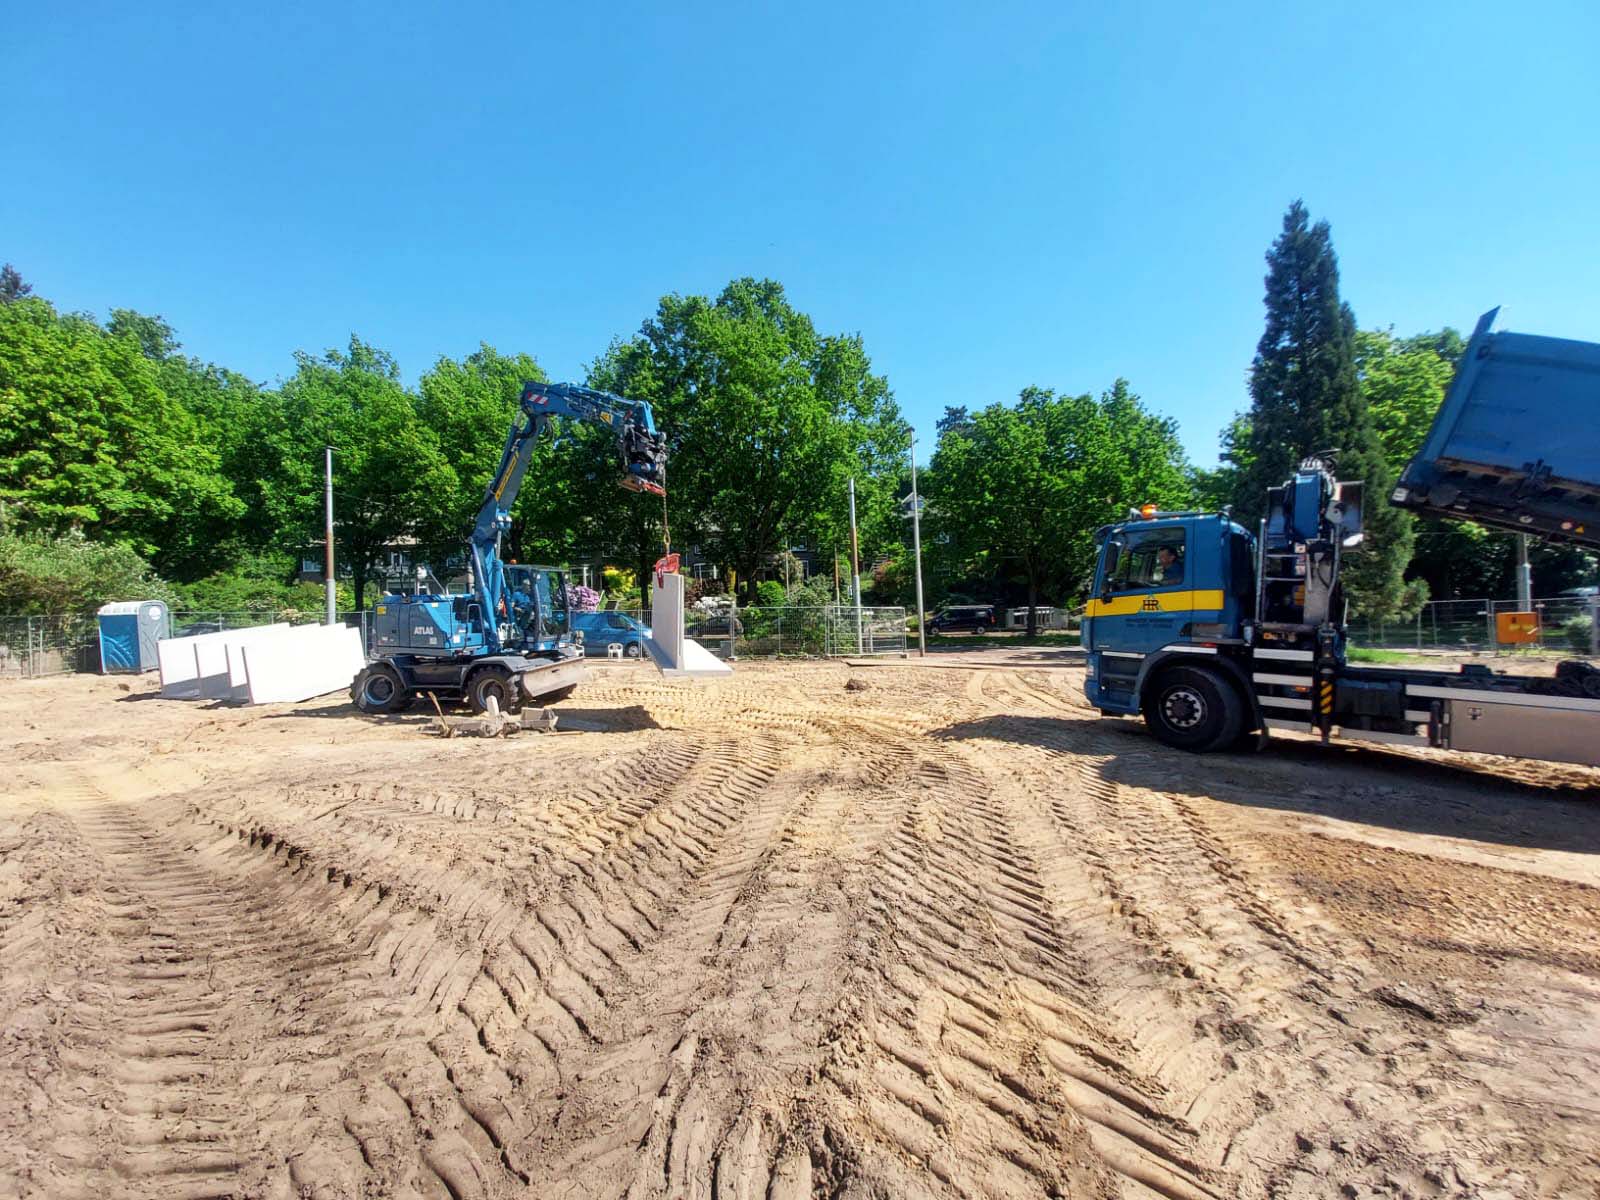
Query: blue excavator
x,y
508,638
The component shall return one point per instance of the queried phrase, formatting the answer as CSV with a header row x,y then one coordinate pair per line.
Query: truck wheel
x,y
493,682
1193,709
379,689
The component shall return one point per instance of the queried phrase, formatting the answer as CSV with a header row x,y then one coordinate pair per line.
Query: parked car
x,y
962,618
601,629
716,625
1581,593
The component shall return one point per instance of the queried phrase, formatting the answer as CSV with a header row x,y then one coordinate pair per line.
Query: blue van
x,y
600,629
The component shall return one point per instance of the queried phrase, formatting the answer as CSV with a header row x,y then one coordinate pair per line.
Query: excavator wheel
x,y
497,682
378,689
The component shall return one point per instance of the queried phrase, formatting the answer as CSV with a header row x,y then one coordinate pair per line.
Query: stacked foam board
x,y
261,665
194,668
677,656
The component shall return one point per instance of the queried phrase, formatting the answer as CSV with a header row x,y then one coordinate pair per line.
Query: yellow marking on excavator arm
x,y
506,476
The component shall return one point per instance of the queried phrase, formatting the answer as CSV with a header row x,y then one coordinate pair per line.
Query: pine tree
x,y
1306,399
12,286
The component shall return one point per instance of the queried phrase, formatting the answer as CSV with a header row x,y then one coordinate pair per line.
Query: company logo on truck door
x,y
1121,606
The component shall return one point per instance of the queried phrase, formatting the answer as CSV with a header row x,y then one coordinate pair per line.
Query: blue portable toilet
x,y
129,631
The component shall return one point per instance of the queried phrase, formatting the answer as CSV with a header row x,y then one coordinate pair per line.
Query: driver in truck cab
x,y
1170,565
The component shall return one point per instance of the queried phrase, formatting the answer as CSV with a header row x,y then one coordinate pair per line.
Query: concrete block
x,y
675,655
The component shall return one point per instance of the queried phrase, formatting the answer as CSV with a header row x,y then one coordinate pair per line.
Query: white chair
x,y
613,649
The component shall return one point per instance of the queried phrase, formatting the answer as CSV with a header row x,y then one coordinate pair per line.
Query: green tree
x,y
1217,486
390,474
228,411
1403,382
90,440
766,419
157,340
12,286
1306,398
70,574
1027,485
470,405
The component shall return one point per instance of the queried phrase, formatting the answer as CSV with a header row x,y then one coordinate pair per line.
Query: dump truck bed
x,y
1516,443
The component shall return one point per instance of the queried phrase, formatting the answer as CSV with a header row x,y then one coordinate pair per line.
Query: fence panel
x,y
1566,626
787,631
32,647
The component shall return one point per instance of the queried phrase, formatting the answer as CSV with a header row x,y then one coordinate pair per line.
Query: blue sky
x,y
992,195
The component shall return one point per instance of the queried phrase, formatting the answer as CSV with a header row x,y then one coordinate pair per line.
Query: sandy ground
x,y
817,930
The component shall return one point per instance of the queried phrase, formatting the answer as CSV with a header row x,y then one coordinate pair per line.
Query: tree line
x,y
121,455
126,464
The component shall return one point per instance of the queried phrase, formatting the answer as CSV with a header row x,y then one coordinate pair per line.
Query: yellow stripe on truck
x,y
1148,602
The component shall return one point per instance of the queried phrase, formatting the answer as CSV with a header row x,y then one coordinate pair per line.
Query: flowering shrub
x,y
583,599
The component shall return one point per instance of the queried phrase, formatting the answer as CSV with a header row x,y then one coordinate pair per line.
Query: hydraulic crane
x,y
508,638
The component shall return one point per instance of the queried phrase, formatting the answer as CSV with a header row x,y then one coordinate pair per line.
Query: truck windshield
x,y
1151,558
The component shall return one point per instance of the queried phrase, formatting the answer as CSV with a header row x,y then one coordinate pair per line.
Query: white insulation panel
x,y
310,660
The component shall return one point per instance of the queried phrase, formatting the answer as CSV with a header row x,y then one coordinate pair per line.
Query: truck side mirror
x,y
1108,568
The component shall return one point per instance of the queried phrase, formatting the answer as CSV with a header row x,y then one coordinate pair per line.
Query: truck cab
x,y
1168,588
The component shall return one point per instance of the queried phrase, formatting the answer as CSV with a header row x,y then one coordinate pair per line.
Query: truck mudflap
x,y
540,679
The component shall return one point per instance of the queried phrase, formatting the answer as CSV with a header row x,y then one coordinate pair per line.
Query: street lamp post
x,y
916,545
330,587
855,562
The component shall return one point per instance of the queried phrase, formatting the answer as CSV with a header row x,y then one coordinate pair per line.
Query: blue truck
x,y
1219,635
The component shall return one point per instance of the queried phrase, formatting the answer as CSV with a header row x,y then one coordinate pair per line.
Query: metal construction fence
x,y
34,646
785,631
59,644
1566,625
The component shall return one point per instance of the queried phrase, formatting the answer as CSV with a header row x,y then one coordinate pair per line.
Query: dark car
x,y
715,625
962,618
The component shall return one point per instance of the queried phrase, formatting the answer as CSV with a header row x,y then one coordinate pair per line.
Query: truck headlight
x,y
1089,668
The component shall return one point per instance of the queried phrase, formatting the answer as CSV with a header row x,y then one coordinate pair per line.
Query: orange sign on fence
x,y
1512,628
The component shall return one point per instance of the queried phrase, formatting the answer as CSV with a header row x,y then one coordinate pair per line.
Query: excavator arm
x,y
644,469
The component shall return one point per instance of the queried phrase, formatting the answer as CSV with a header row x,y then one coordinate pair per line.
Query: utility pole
x,y
1524,575
916,544
327,571
855,562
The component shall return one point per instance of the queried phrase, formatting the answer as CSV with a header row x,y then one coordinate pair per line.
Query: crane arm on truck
x,y
644,465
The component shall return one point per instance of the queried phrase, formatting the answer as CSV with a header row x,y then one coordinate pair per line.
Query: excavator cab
x,y
536,607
